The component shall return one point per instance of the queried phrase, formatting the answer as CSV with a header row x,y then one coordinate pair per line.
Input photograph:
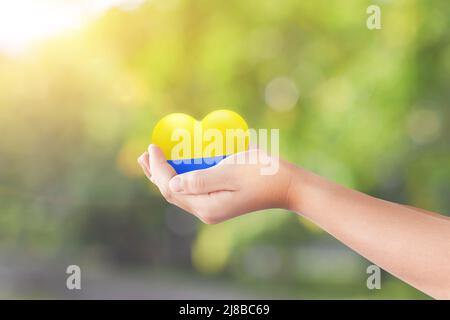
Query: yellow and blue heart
x,y
189,144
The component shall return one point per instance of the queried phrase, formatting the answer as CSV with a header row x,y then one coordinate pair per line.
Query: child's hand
x,y
381,231
231,188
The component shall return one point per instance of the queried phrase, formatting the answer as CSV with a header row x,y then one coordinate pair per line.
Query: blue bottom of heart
x,y
186,165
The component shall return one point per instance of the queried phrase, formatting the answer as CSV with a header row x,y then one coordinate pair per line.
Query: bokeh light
x,y
281,94
82,83
424,126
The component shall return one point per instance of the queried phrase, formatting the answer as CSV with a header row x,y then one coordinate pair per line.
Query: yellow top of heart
x,y
221,132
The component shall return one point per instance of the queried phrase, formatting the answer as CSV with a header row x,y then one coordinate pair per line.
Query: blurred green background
x,y
366,108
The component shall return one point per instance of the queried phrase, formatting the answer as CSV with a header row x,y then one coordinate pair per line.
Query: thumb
x,y
161,171
203,181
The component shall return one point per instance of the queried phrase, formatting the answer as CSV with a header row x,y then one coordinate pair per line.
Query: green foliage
x,y
76,111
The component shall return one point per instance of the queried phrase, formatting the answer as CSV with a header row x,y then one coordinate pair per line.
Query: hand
x,y
229,189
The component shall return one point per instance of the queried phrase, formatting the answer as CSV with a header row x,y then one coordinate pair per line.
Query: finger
x,y
146,162
218,178
141,161
161,171
212,208
252,145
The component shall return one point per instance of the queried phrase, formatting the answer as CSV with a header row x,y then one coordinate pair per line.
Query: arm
x,y
434,214
411,244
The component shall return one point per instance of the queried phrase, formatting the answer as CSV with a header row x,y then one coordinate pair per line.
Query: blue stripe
x,y
186,165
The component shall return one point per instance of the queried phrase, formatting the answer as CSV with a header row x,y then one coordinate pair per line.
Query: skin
x,y
412,244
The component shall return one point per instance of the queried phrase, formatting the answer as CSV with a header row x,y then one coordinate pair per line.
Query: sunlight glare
x,y
24,22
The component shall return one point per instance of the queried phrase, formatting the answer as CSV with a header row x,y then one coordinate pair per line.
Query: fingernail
x,y
175,184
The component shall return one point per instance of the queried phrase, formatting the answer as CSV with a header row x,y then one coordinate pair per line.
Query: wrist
x,y
302,190
291,185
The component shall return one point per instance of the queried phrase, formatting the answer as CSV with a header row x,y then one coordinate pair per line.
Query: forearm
x,y
434,214
406,242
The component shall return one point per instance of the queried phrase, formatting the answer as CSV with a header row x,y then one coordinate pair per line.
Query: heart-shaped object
x,y
189,144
